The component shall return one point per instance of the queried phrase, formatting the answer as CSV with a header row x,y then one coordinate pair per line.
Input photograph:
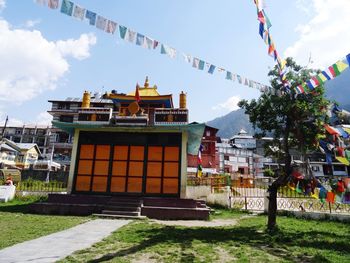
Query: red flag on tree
x,y
137,95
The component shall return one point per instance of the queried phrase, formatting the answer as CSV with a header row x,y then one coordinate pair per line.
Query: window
x,y
18,131
315,168
63,106
65,118
226,158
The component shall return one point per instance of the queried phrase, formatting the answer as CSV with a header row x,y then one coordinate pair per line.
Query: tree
x,y
295,122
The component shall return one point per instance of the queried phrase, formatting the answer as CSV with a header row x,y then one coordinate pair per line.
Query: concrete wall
x,y
204,192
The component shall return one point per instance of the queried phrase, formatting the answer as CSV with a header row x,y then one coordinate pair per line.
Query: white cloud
x,y
43,118
326,36
32,23
230,104
2,5
30,64
77,48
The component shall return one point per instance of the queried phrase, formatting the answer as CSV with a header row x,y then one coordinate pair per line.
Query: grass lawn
x,y
17,226
297,240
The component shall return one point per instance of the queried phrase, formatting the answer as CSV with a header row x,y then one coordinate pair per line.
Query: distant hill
x,y
231,123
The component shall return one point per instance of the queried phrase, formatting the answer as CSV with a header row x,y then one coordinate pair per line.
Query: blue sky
x,y
48,55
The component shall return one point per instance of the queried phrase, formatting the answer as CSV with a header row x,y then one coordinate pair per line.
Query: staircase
x,y
122,207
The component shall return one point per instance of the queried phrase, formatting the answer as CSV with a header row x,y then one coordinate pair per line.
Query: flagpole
x,y
3,130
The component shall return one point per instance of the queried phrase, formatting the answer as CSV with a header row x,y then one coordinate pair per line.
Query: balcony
x,y
170,116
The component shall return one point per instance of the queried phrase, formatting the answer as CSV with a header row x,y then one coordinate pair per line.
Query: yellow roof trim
x,y
146,92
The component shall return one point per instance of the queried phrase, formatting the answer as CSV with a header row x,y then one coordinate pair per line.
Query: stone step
x,y
122,203
118,212
122,208
119,216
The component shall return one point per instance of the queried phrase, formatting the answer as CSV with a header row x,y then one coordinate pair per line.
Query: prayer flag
x,y
67,7
348,58
187,58
299,89
332,72
228,75
201,65
149,43
336,70
91,16
267,20
239,79
101,22
140,39
261,29
130,35
53,4
171,52
261,17
341,66
315,81
155,44
79,12
321,79
326,75
211,69
111,26
122,31
195,63
309,84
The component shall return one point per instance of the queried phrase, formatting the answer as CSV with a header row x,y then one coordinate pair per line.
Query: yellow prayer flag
x,y
322,77
347,130
341,65
343,160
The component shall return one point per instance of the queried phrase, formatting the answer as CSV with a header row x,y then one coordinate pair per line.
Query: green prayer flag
x,y
336,70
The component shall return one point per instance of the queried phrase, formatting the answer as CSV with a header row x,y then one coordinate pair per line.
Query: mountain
x,y
231,123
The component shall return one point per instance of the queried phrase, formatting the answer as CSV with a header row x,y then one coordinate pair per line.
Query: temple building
x,y
137,148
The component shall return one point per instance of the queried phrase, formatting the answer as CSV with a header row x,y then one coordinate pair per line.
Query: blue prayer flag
x,y
309,84
122,31
140,39
348,58
91,16
326,75
67,7
261,30
211,69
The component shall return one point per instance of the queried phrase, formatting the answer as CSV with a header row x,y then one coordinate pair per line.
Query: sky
x,y
47,55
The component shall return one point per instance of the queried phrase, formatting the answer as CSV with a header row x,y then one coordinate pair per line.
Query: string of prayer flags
x,y
328,74
109,26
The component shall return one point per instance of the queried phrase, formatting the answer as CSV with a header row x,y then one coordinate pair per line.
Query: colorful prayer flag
x,y
348,58
341,66
122,31
195,63
171,52
67,7
91,16
148,43
130,35
211,69
187,58
140,39
79,12
53,4
101,23
228,75
155,44
201,65
111,26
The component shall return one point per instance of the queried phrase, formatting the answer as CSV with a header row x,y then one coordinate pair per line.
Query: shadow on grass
x,y
15,208
279,244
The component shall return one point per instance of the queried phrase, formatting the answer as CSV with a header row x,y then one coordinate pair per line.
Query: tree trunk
x,y
272,212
